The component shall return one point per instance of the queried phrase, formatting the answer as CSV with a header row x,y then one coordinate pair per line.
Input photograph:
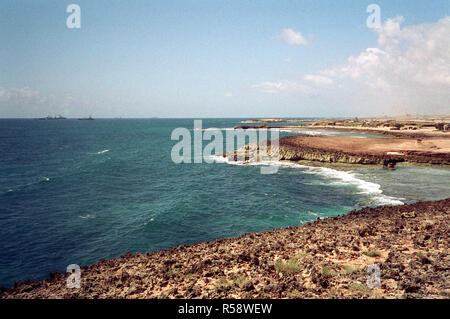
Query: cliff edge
x,y
327,258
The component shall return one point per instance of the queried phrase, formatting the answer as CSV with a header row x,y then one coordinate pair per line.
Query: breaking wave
x,y
337,177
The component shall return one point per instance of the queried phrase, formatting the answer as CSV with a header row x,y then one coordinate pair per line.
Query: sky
x,y
216,58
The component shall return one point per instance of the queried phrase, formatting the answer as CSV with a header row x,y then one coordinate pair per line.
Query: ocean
x,y
74,192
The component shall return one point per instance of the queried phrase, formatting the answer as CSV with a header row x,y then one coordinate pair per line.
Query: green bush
x,y
372,253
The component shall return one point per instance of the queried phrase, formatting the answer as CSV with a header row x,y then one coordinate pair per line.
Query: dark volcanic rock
x,y
323,259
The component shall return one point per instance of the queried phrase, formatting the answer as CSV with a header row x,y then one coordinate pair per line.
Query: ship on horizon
x,y
59,117
86,118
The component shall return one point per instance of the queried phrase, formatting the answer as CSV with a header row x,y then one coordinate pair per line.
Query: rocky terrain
x,y
382,131
327,258
412,127
349,150
352,150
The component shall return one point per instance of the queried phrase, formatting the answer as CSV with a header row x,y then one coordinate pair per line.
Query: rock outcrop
x,y
350,150
328,258
295,153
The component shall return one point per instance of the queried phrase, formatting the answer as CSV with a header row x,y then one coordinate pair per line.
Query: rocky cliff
x,y
296,153
348,150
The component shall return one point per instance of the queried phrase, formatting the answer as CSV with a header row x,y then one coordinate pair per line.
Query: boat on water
x,y
59,117
86,118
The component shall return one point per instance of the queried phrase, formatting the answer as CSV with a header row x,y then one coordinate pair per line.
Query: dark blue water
x,y
73,192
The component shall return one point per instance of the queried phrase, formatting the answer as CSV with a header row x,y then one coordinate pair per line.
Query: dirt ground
x,y
376,146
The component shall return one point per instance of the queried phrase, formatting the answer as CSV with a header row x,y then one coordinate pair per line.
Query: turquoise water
x,y
73,192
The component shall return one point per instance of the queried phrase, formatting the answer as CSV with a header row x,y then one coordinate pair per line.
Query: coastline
x,y
372,151
368,130
419,141
322,259
352,150
409,127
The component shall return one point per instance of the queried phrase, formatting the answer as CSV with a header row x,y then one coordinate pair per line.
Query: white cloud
x,y
285,86
410,68
293,37
306,86
228,94
318,79
407,71
272,87
29,102
19,95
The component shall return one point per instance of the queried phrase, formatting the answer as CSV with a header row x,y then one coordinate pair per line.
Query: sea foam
x,y
337,177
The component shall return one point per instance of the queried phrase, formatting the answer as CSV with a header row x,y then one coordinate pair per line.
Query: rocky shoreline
x,y
371,131
350,150
411,127
327,258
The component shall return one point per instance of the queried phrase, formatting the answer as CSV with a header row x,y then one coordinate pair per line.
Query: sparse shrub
x,y
289,266
358,287
420,254
241,281
294,294
222,282
328,271
372,253
349,269
172,272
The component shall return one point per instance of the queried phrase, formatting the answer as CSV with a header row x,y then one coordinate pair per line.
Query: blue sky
x,y
198,58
